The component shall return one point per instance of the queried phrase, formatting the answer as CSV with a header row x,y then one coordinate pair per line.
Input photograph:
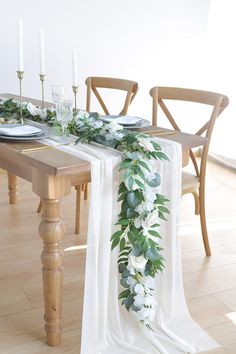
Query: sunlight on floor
x,y
232,317
74,248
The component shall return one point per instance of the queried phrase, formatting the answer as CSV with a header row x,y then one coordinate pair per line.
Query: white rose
x,y
139,289
138,263
139,300
146,144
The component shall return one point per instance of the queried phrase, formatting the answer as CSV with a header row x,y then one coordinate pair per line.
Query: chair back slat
x,y
95,83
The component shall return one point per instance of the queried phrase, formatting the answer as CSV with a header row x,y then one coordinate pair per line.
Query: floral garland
x,y
141,207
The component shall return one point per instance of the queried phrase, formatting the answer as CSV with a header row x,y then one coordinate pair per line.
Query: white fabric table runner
x,y
107,326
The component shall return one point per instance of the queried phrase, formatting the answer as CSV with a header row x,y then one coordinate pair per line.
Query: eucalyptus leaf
x,y
152,254
137,250
132,200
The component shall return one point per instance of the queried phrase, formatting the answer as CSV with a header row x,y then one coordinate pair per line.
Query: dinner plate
x,y
19,130
23,138
123,120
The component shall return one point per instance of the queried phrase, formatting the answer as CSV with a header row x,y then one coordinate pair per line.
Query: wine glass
x,y
57,93
64,113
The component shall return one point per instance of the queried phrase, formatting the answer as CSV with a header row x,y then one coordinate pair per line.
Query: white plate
x,y
123,120
20,130
23,138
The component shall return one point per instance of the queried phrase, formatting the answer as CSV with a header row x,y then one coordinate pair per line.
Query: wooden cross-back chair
x,y
192,183
96,83
93,85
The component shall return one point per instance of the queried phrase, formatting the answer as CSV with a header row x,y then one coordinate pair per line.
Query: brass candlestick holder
x,y
75,90
20,75
42,79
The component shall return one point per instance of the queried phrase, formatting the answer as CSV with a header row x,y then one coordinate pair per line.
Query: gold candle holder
x,y
75,90
42,79
20,75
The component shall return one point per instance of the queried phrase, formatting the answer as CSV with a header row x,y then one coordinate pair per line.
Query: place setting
x,y
128,122
22,132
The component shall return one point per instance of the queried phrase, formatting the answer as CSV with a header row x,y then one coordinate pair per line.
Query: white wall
x,y
155,42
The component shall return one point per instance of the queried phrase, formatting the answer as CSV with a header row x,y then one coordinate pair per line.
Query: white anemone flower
x,y
146,144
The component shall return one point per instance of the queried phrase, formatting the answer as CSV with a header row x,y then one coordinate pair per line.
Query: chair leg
x,y
40,206
197,204
203,222
86,191
77,209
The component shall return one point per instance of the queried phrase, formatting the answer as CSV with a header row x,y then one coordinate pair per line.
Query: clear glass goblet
x,y
64,114
57,93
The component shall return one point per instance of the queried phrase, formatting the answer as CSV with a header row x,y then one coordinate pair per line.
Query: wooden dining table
x,y
53,173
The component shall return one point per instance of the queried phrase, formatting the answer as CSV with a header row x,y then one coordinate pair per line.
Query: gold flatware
x,y
45,147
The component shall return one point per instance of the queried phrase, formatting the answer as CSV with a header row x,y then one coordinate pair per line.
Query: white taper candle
x,y
20,45
42,52
74,68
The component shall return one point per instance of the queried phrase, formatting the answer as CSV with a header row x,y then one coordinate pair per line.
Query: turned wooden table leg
x,y
51,231
12,187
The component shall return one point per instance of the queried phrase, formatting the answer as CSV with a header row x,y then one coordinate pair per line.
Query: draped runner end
x,y
108,327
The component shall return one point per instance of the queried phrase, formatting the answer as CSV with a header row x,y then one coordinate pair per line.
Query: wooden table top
x,y
60,163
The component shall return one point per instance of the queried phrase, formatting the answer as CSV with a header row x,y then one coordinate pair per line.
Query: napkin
x,y
18,130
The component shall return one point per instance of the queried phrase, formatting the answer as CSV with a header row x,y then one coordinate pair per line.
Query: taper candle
x,y
74,68
20,45
42,52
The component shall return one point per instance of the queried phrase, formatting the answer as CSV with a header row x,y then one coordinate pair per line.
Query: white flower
x,y
146,314
139,300
150,301
138,222
82,114
139,289
145,207
150,195
97,124
113,126
35,111
146,144
131,281
150,220
138,263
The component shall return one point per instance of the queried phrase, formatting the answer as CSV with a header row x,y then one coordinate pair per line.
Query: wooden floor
x,y
210,283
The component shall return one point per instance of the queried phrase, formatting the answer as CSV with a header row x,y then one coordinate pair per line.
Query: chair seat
x,y
190,182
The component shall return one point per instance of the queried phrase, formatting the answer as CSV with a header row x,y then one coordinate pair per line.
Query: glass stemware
x,y
64,114
57,93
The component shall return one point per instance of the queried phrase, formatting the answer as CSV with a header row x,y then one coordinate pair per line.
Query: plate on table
x,y
128,122
21,132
